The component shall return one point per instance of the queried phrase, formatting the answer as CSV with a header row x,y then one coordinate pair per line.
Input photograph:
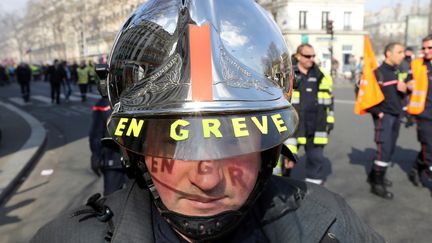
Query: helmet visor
x,y
201,137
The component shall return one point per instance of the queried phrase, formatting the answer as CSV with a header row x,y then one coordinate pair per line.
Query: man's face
x,y
396,55
427,49
408,53
207,187
306,57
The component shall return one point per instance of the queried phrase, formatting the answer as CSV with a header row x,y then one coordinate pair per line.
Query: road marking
x,y
42,99
47,172
18,101
71,97
349,102
94,96
13,168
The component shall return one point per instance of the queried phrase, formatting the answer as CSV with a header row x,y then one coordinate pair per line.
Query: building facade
x,y
305,21
76,30
70,30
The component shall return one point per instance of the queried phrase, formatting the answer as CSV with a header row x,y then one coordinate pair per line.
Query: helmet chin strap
x,y
205,228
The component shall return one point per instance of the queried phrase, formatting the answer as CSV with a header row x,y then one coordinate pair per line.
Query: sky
x,y
12,5
370,5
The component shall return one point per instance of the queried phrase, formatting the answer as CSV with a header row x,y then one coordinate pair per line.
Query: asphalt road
x,y
407,218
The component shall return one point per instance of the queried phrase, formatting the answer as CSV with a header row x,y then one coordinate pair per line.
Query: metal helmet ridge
x,y
200,80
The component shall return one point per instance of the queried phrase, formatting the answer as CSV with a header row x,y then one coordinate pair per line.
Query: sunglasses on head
x,y
427,47
308,56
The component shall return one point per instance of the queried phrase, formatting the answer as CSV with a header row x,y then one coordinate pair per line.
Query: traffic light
x,y
330,27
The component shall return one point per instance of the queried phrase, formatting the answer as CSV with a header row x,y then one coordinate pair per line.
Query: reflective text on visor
x,y
207,137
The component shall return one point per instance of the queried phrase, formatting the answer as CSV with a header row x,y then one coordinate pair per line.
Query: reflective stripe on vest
x,y
419,93
330,117
277,170
320,138
301,140
291,143
324,98
325,88
295,99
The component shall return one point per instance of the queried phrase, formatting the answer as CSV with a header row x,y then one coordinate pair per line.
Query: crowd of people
x,y
61,75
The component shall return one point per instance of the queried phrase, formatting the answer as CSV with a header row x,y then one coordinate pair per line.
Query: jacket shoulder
x,y
79,225
320,212
68,228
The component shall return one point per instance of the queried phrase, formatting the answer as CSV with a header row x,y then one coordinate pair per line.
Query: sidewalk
x,y
23,139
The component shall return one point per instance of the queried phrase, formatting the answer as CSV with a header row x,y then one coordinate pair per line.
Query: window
x,y
324,19
347,21
302,20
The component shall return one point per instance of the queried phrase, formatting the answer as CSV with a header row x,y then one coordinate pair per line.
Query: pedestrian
x,y
10,70
74,75
4,78
105,159
201,134
312,98
404,70
24,75
67,82
82,72
57,78
386,116
420,106
353,68
91,76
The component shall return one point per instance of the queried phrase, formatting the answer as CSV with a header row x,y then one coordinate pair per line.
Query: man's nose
x,y
207,176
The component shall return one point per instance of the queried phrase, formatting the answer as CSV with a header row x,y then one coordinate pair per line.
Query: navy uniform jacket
x,y
387,77
109,158
287,211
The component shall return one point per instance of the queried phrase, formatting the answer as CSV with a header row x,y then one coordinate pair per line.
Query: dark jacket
x,y
57,74
387,77
313,109
107,157
287,211
23,73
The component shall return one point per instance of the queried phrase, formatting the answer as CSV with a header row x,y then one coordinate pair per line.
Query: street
x,y
351,150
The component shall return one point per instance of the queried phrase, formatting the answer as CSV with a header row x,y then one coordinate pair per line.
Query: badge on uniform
x,y
312,79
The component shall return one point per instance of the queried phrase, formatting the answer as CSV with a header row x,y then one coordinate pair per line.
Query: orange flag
x,y
369,93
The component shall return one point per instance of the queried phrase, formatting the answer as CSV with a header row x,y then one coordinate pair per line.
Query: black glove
x,y
330,127
96,166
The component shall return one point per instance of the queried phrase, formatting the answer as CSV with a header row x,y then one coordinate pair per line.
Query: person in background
x,y
91,76
386,117
105,158
68,81
313,100
83,78
4,77
404,71
420,106
24,75
57,76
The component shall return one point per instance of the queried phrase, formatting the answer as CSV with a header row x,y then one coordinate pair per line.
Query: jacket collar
x,y
134,223
290,218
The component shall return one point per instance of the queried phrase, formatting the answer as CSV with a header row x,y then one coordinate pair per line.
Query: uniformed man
x,y
420,106
201,120
386,117
105,159
312,98
404,70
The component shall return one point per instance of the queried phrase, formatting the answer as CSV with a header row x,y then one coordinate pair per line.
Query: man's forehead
x,y
307,50
427,43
